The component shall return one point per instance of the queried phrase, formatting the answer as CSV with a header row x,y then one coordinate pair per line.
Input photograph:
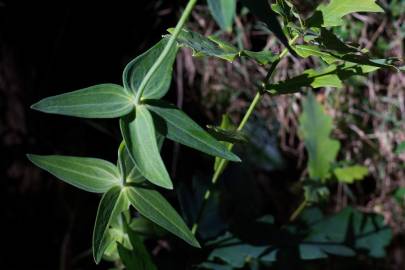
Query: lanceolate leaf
x,y
331,14
223,12
139,135
332,76
136,70
177,126
89,174
112,204
154,206
315,129
100,101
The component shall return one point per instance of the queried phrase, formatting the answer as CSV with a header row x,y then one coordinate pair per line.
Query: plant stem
x,y
222,164
166,50
298,211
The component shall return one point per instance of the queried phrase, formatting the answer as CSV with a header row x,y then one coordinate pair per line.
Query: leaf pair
x,y
100,176
137,123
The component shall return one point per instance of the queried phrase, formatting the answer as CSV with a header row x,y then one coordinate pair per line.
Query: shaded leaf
x,y
136,70
351,173
138,257
177,126
346,233
154,206
353,229
139,135
99,101
261,9
112,204
223,12
89,174
315,129
332,13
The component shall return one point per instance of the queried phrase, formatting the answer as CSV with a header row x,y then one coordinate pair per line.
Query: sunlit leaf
x,y
215,47
177,126
350,174
332,13
332,76
223,12
112,204
315,129
100,101
160,82
89,174
154,206
139,135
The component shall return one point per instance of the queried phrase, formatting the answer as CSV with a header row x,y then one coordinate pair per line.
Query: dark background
x,y
47,48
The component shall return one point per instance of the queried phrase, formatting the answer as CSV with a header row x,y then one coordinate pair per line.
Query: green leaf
x,y
399,195
225,135
234,253
206,45
223,12
136,70
177,126
400,148
261,9
332,76
331,49
213,46
111,205
100,101
139,135
89,174
154,206
138,257
331,14
351,229
126,165
315,129
351,173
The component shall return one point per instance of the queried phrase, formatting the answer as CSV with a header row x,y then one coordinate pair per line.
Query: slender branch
x,y
222,164
166,50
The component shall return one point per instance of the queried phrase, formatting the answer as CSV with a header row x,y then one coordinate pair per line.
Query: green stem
x,y
166,50
298,211
222,164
